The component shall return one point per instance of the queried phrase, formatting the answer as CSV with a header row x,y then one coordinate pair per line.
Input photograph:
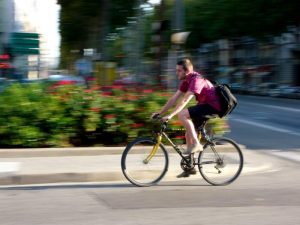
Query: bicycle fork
x,y
154,149
188,161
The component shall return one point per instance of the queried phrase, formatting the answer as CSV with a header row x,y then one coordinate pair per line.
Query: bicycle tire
x,y
225,171
136,171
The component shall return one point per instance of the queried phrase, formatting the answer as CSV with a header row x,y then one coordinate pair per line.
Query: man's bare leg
x,y
191,134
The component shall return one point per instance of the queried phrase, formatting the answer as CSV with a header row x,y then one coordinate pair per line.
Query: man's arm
x,y
171,102
180,106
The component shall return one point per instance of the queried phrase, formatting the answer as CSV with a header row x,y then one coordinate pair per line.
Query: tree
x,y
209,20
85,23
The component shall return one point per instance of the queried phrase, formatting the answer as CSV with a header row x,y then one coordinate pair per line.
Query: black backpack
x,y
227,100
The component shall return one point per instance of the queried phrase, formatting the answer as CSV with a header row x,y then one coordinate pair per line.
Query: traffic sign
x,y
25,43
25,35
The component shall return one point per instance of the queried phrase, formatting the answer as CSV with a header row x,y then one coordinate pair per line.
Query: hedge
x,y
39,115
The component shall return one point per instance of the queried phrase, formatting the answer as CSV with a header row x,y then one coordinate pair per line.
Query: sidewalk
x,y
99,164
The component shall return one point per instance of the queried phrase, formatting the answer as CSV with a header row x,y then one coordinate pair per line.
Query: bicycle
x,y
145,160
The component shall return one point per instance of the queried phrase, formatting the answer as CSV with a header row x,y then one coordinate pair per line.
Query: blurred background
x,y
254,46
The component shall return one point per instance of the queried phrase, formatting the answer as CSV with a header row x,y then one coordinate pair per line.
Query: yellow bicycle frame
x,y
154,149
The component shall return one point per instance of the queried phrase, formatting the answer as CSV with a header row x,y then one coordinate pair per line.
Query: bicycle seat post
x,y
203,132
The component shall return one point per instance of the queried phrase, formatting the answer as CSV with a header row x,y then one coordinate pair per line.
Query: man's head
x,y
183,68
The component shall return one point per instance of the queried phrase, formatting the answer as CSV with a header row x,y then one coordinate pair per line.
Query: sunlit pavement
x,y
103,165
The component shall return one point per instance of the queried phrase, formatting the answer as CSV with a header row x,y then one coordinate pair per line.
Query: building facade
x,y
6,22
248,61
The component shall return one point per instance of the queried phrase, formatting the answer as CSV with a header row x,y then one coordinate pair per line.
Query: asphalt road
x,y
269,197
266,123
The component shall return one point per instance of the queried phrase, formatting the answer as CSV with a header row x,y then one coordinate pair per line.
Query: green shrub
x,y
29,117
35,115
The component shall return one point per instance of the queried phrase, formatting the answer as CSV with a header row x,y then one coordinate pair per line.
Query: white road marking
x,y
275,107
291,155
7,168
266,126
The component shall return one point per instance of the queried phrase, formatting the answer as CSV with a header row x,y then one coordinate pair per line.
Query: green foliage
x,y
209,20
84,23
35,115
30,117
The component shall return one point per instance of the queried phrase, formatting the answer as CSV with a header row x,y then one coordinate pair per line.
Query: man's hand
x,y
155,115
165,119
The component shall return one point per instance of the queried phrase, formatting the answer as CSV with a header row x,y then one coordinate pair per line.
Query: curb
x,y
62,178
107,176
56,152
76,151
38,177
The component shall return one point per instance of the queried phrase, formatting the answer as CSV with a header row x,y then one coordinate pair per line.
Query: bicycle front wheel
x,y
222,162
141,166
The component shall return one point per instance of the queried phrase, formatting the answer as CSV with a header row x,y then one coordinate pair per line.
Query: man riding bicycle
x,y
191,84
145,160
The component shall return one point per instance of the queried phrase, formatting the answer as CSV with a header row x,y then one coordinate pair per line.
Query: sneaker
x,y
183,174
192,171
187,173
193,149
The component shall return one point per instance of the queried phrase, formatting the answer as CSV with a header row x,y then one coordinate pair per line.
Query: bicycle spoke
x,y
222,163
141,165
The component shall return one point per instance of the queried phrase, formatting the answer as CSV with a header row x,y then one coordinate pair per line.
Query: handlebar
x,y
163,124
156,116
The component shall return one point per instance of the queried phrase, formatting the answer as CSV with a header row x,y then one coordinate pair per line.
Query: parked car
x,y
30,81
126,81
285,91
236,88
290,92
264,88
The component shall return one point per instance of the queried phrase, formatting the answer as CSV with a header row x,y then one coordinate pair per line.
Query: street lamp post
x,y
178,20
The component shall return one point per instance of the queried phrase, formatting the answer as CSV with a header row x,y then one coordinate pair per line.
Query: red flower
x,y
66,82
176,122
110,116
180,137
165,95
131,97
95,109
119,87
148,91
95,88
106,93
137,125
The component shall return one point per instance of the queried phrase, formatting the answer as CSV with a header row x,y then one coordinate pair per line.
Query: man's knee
x,y
183,115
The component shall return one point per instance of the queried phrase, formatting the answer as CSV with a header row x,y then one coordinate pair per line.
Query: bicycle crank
x,y
188,163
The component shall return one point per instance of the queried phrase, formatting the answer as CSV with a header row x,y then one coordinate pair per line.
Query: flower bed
x,y
36,115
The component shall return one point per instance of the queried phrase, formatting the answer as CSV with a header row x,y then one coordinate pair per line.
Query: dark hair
x,y
186,64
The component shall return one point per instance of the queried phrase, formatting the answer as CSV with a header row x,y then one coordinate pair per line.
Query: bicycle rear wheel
x,y
221,163
140,171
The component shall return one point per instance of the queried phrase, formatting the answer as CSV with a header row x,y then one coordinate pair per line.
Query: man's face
x,y
180,72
